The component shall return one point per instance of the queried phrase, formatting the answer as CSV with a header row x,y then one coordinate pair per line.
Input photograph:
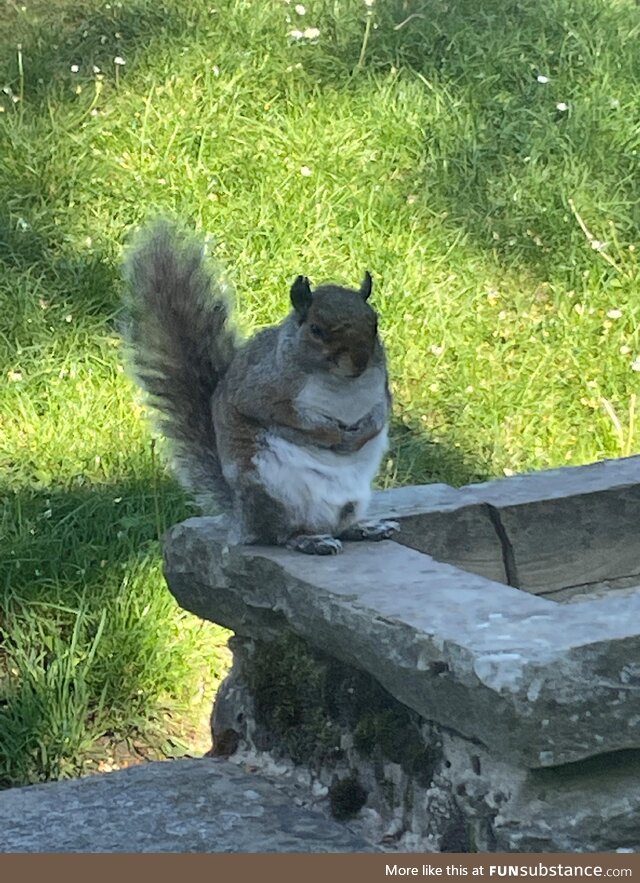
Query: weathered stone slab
x,y
608,588
581,539
202,805
590,806
541,532
527,487
425,788
554,484
403,502
538,683
465,537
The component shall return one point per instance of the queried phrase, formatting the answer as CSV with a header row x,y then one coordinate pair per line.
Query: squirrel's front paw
x,y
315,544
372,531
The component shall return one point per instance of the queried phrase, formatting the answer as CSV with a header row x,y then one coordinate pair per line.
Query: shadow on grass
x,y
87,629
49,532
90,281
416,459
41,48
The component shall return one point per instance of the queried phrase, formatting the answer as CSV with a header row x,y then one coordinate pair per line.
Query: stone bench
x,y
477,680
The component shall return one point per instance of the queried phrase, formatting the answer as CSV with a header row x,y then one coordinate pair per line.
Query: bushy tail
x,y
181,345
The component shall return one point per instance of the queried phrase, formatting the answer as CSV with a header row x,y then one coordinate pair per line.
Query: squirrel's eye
x,y
317,331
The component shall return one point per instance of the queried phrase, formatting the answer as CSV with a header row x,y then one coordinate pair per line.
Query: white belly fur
x,y
315,484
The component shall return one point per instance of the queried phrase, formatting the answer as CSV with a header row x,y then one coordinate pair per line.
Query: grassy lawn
x,y
480,158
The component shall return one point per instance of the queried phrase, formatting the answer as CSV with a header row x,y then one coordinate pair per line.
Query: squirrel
x,y
284,432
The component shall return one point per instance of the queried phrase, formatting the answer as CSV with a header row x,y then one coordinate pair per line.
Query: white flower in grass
x,y
306,172
119,60
14,376
614,314
299,8
542,79
75,68
635,365
369,3
95,69
562,106
297,35
311,33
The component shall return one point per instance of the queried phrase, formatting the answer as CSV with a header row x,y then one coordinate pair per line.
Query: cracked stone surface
x,y
547,531
536,682
203,805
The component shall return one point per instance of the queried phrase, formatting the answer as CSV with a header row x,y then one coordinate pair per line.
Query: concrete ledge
x,y
206,805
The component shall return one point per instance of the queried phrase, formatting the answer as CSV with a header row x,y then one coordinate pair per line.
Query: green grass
x,y
416,141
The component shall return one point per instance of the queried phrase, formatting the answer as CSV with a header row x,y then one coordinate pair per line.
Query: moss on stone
x,y
288,686
394,732
346,797
307,699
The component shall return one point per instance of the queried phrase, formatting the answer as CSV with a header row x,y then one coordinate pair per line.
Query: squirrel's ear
x,y
301,296
366,286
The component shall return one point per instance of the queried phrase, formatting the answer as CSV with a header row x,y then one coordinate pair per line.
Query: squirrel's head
x,y
337,328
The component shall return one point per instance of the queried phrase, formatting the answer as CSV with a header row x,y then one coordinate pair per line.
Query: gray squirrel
x,y
283,433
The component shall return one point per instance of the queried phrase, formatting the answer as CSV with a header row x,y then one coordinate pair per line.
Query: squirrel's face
x,y
337,329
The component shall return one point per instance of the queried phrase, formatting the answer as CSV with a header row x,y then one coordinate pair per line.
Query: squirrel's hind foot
x,y
315,544
371,531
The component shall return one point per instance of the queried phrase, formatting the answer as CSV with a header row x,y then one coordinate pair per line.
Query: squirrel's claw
x,y
315,544
371,531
